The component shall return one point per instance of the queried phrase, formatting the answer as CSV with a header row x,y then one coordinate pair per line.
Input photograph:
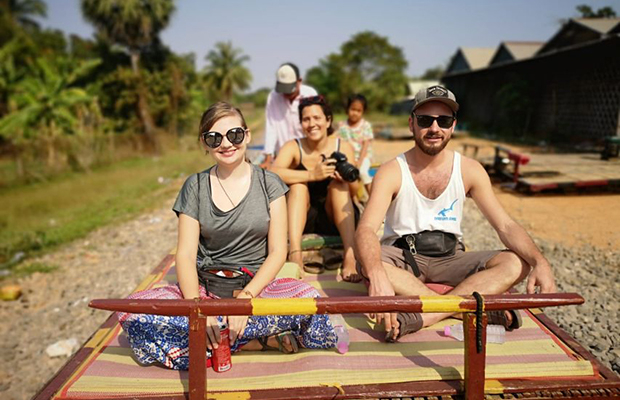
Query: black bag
x,y
429,243
223,286
426,243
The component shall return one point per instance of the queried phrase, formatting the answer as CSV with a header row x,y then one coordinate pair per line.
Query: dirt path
x,y
578,234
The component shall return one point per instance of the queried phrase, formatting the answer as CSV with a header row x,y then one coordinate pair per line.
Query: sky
x,y
271,32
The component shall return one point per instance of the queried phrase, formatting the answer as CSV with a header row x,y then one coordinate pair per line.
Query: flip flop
x,y
500,318
281,345
330,257
314,267
332,267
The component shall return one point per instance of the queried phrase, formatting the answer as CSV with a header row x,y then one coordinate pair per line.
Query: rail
x,y
475,342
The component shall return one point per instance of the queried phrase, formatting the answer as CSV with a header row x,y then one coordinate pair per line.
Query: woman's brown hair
x,y
217,111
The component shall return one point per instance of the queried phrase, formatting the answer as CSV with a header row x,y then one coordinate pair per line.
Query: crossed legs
x,y
502,272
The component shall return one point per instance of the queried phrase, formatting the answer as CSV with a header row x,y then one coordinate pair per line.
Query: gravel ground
x,y
110,262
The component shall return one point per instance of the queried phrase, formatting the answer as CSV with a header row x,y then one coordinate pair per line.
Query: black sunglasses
x,y
312,100
425,121
214,139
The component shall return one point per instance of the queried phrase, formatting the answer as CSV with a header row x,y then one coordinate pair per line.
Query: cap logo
x,y
436,91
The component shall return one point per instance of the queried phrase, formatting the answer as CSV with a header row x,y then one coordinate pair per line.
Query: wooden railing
x,y
198,310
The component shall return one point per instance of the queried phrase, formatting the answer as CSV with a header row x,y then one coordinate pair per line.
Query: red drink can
x,y
221,355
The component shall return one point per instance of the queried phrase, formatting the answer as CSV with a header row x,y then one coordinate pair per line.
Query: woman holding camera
x,y
319,200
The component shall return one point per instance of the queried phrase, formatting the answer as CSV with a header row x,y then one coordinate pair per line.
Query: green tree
x,y
367,64
46,104
433,73
18,14
603,12
226,73
134,24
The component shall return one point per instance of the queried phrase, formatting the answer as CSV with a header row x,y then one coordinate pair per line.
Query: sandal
x,y
331,258
280,339
407,323
314,267
500,318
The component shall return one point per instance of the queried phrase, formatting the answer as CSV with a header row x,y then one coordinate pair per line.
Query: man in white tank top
x,y
424,190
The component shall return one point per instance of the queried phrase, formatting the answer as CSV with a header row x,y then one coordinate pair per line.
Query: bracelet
x,y
248,293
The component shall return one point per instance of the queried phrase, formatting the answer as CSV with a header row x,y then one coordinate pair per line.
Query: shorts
x,y
365,171
449,270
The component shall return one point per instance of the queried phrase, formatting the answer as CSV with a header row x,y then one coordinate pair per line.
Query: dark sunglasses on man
x,y
234,135
425,121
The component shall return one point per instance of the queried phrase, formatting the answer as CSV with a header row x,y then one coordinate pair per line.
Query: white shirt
x,y
412,212
282,119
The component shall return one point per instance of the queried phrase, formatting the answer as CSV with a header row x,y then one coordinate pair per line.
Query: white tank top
x,y
412,212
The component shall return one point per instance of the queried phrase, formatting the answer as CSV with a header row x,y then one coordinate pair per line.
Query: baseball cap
x,y
435,93
286,78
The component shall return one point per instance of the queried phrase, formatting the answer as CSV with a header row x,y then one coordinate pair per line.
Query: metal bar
x,y
474,360
197,354
338,305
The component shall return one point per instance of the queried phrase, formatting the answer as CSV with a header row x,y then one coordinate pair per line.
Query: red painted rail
x,y
339,305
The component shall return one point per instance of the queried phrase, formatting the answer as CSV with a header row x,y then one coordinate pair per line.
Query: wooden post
x,y
197,354
474,360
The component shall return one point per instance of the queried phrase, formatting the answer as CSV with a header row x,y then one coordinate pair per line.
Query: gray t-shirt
x,y
237,237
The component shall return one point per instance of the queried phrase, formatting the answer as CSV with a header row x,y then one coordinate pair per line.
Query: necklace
x,y
222,186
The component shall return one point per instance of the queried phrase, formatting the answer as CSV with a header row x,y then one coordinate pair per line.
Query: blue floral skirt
x,y
165,339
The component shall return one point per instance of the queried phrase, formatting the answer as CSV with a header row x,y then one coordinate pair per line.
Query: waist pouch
x,y
426,243
224,286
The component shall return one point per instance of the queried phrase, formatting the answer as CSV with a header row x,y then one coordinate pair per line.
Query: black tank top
x,y
317,189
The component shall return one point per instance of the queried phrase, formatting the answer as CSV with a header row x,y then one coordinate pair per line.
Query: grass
x,y
39,217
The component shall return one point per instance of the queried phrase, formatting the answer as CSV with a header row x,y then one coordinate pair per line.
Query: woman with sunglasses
x,y
231,243
319,200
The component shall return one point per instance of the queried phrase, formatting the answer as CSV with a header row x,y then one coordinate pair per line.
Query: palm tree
x,y
46,104
20,12
225,72
134,24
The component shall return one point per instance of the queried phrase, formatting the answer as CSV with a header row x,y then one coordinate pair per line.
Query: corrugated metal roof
x,y
477,57
602,25
521,50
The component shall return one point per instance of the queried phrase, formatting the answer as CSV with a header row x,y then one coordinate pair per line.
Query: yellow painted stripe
x,y
229,396
97,337
284,307
174,251
493,387
441,304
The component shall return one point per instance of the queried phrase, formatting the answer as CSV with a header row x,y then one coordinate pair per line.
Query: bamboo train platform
x,y
550,173
539,360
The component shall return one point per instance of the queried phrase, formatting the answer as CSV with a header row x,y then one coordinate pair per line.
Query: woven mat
x,y
529,352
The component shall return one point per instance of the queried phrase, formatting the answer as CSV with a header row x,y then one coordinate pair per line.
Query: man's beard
x,y
430,150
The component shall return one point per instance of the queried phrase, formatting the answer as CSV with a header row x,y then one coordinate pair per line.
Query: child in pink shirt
x,y
357,131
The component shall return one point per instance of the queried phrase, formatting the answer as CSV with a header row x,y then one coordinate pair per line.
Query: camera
x,y
348,171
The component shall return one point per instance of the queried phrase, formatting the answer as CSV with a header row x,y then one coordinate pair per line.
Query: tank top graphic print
x,y
412,212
